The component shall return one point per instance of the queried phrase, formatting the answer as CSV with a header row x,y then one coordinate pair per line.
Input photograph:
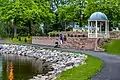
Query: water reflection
x,y
19,68
11,76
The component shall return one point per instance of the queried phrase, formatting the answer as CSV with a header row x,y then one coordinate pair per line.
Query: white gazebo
x,y
98,26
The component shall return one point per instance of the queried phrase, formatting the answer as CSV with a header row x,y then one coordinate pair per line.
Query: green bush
x,y
53,34
12,38
25,40
71,30
57,35
19,38
3,32
28,35
77,31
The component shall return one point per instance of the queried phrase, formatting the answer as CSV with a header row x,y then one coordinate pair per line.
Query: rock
x,y
55,61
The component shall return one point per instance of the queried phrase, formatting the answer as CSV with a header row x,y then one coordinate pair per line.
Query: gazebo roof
x,y
98,16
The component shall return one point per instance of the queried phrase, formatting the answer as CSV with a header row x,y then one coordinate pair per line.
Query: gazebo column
x,y
96,30
106,30
100,29
88,29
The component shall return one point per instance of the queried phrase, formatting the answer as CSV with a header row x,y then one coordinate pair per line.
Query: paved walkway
x,y
111,67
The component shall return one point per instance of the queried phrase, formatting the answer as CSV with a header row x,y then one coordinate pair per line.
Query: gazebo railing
x,y
99,35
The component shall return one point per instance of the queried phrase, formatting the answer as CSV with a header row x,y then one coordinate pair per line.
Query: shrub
x,y
71,35
12,37
57,35
28,35
47,35
53,34
68,35
71,30
37,34
50,33
19,38
25,40
77,31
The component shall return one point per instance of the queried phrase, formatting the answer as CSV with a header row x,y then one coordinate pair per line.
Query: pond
x,y
20,68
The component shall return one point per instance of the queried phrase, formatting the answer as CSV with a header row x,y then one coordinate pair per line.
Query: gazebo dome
x,y
98,16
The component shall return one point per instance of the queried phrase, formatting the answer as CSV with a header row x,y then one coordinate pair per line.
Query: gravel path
x,y
111,67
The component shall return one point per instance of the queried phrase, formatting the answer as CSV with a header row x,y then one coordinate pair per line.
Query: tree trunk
x,y
80,23
29,22
14,27
65,25
15,30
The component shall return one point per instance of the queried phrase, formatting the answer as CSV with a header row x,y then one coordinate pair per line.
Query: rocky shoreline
x,y
57,60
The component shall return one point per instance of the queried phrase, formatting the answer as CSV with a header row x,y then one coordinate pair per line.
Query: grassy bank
x,y
112,47
20,40
82,72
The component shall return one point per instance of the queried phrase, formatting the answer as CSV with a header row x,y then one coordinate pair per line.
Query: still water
x,y
19,68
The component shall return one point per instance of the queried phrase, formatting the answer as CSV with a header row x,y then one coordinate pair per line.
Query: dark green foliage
x,y
3,32
26,15
28,36
25,40
53,35
57,35
110,7
12,38
19,39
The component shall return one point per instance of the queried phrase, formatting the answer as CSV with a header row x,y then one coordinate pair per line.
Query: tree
x,y
109,7
66,14
3,32
26,13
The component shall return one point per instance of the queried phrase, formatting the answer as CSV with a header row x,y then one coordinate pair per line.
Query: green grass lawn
x,y
15,40
82,72
113,47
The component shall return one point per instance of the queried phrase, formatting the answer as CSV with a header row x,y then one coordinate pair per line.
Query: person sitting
x,y
56,45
